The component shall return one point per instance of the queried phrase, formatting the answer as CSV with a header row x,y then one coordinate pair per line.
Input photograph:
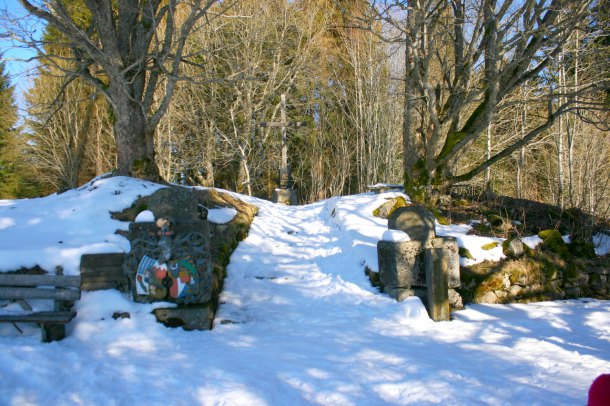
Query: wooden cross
x,y
283,124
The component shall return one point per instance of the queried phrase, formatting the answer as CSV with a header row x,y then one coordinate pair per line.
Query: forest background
x,y
344,70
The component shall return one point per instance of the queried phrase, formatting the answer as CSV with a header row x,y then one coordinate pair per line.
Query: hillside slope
x,y
299,323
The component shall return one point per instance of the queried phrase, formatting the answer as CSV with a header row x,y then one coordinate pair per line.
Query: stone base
x,y
189,318
286,196
401,264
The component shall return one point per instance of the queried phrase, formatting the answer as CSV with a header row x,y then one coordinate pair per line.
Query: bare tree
x,y
66,142
131,52
463,58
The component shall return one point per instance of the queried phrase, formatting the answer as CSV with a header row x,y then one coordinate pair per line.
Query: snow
x,y
601,241
58,229
299,323
145,216
532,241
221,215
473,243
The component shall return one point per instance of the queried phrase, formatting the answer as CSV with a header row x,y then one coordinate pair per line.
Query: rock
x,y
572,292
176,202
515,291
189,318
552,240
501,296
464,253
455,300
400,294
582,249
416,221
513,248
487,297
597,281
495,220
386,209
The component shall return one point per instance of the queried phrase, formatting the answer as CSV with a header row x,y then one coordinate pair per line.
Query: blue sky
x,y
14,54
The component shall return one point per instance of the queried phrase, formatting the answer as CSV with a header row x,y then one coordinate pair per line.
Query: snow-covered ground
x,y
299,322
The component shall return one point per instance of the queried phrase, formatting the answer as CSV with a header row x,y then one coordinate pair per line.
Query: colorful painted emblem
x,y
175,279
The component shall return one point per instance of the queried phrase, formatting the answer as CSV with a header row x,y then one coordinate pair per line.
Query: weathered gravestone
x,y
416,221
421,266
170,259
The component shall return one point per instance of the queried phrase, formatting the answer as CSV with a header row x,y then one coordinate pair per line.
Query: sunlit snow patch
x,y
221,215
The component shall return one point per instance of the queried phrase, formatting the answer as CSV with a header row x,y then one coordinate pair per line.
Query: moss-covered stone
x,y
493,282
481,228
385,210
513,248
582,249
490,246
552,241
464,253
495,220
439,216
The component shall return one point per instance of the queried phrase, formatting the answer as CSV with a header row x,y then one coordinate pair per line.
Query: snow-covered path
x,y
298,280
299,324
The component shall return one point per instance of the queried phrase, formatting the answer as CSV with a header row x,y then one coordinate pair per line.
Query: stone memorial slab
x,y
416,221
401,264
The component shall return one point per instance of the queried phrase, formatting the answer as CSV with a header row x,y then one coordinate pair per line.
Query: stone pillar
x,y
426,266
285,196
435,264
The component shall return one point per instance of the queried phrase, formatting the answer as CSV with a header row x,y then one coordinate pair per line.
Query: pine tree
x,y
8,121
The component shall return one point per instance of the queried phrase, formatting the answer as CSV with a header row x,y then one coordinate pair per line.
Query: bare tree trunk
x,y
408,141
571,132
559,142
135,154
561,125
488,155
521,160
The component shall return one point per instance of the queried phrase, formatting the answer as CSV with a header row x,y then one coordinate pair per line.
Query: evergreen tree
x,y
8,121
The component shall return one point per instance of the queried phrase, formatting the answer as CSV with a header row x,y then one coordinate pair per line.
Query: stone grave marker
x,y
170,259
425,266
416,221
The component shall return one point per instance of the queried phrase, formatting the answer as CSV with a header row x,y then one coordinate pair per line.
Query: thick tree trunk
x,y
135,147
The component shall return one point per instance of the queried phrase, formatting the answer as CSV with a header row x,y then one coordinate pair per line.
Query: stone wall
x,y
539,276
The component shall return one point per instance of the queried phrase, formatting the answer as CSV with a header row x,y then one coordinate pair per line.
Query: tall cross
x,y
283,124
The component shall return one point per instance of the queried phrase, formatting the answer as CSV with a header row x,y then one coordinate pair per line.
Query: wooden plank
x,y
39,317
39,280
104,278
39,293
100,283
102,260
105,270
